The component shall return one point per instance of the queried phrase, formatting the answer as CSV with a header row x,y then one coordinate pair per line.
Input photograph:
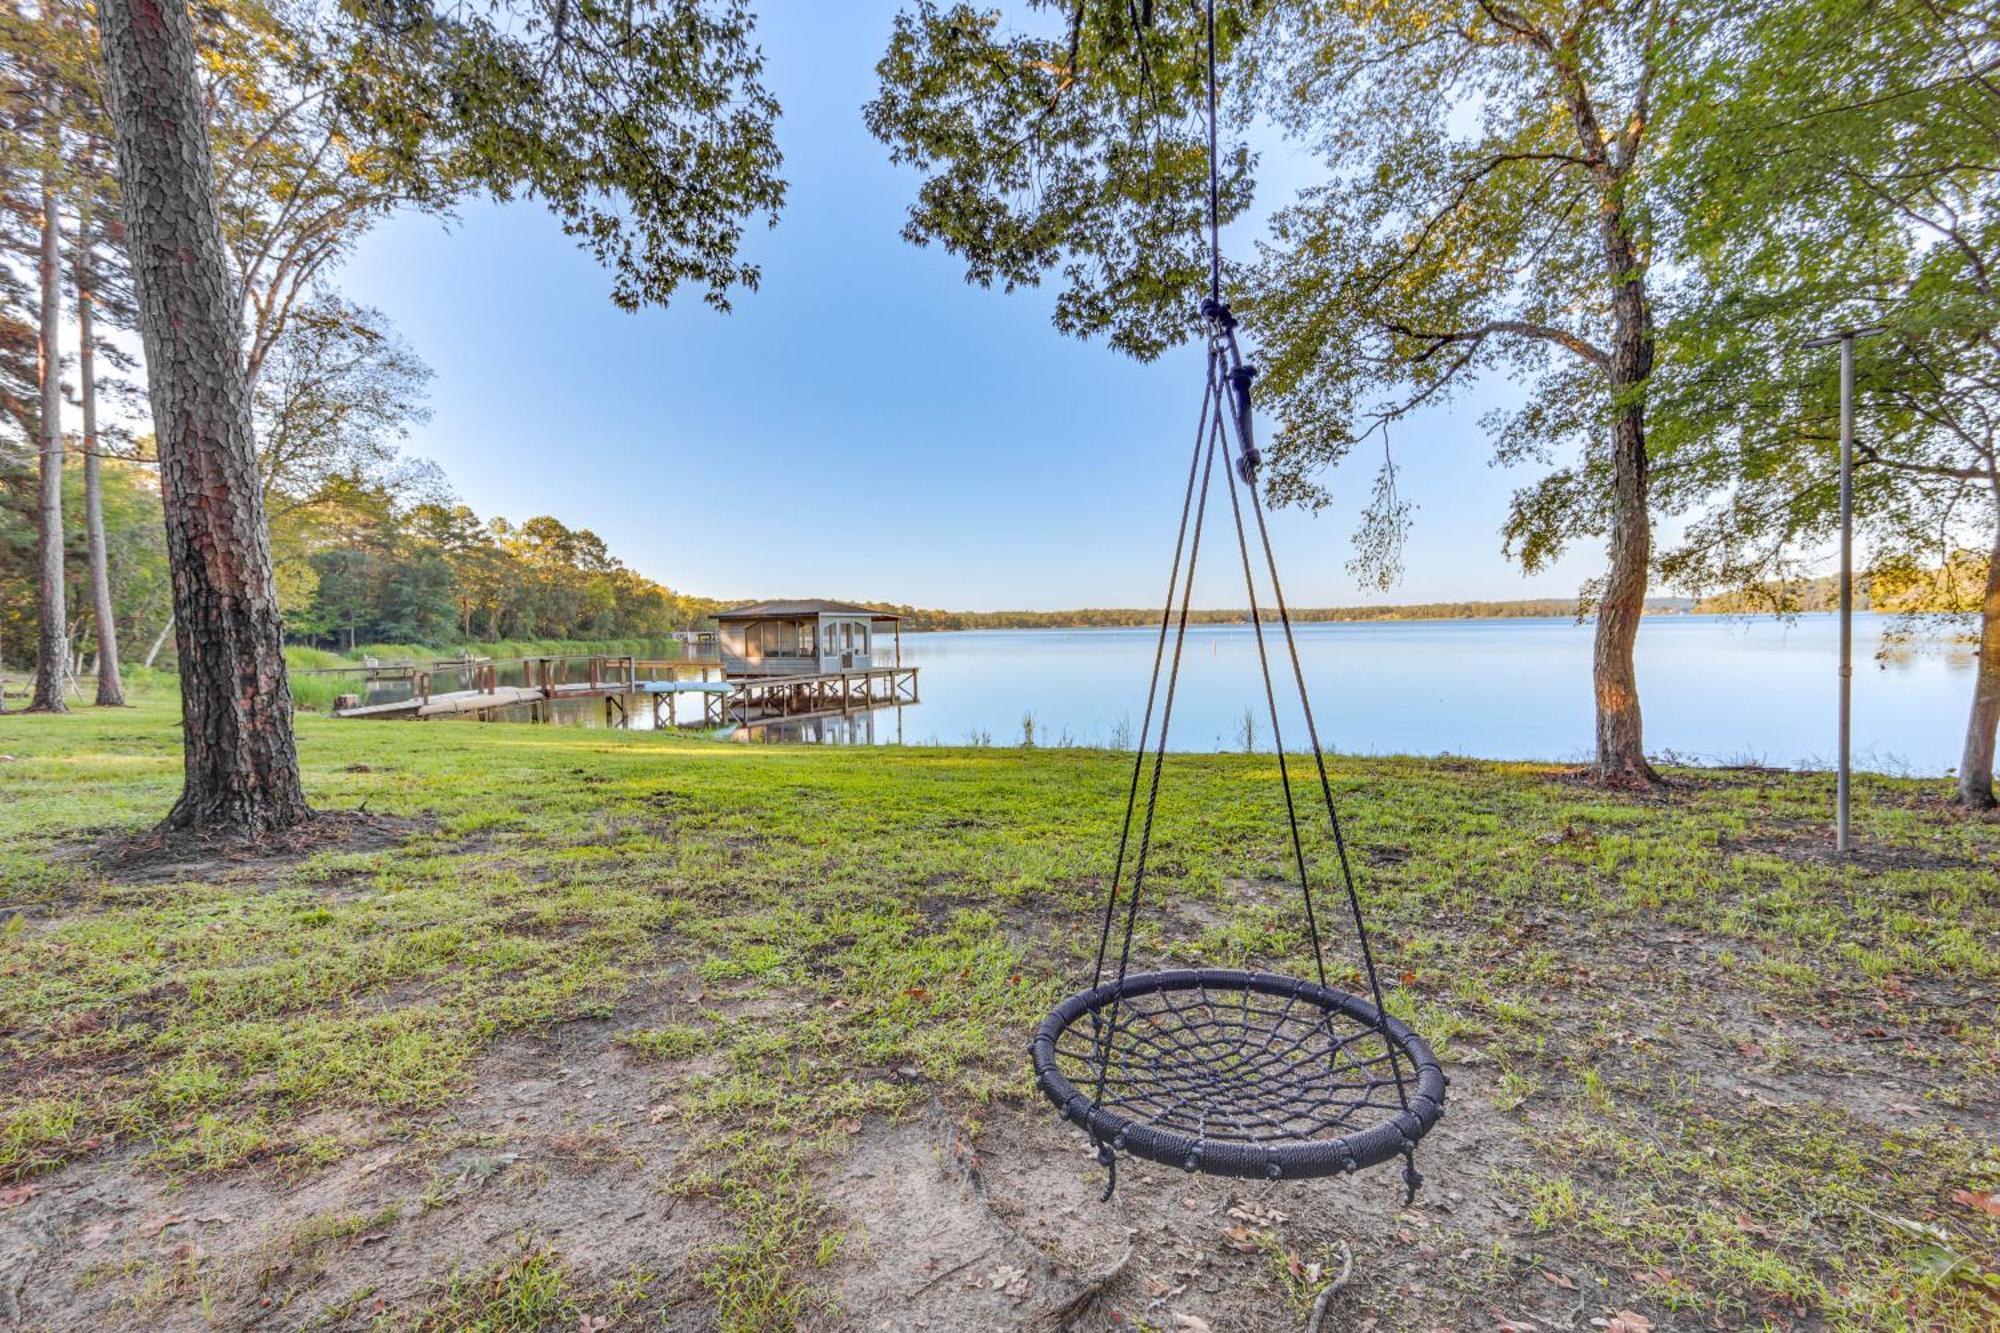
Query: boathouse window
x,y
777,639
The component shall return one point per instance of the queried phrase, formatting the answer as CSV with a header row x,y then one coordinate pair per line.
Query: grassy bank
x,y
1699,1071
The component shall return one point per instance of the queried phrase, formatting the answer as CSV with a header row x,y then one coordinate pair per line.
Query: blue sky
x,y
865,425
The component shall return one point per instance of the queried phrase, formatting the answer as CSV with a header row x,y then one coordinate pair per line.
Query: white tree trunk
x,y
52,637
104,618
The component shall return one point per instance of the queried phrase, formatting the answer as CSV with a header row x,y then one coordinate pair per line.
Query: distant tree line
x,y
1899,586
354,566
434,573
916,618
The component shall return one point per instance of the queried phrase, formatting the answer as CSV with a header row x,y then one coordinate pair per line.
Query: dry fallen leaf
x,y
1191,1323
15,1195
1744,1223
1559,1280
1627,1321
154,1226
1985,1203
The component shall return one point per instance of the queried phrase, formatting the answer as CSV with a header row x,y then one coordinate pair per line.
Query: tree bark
x,y
51,601
104,618
240,759
1621,742
1975,767
1621,745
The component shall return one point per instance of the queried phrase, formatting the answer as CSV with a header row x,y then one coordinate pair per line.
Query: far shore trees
x,y
1485,209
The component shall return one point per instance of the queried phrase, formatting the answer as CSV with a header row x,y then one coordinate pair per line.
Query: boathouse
x,y
810,637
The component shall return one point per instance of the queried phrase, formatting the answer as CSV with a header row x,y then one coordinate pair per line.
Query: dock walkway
x,y
747,701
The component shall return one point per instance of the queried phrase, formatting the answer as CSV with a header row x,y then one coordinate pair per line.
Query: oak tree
x,y
1843,172
1484,210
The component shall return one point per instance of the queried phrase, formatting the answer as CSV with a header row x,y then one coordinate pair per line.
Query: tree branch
x,y
1519,328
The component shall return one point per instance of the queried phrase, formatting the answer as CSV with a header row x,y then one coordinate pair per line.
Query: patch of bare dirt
x,y
925,1248
1176,1251
1816,845
163,855
551,1141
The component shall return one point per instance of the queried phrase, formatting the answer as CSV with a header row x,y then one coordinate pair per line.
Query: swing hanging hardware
x,y
1241,375
1229,1071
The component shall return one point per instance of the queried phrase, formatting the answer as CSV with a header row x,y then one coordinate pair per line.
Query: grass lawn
x,y
582,1026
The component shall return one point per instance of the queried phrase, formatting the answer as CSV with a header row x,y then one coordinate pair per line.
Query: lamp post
x,y
1845,338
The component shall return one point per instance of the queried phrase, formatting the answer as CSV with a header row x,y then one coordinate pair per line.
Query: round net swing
x,y
1226,1071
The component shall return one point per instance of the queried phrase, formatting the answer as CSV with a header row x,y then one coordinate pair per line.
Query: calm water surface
x,y
1715,690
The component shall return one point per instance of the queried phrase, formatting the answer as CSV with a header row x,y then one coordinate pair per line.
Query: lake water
x,y
1715,690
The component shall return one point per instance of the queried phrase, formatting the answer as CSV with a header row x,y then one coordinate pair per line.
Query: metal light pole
x,y
1845,337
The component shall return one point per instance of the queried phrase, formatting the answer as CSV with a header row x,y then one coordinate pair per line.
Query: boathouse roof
x,y
806,606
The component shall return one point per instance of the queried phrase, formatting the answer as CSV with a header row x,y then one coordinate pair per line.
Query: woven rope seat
x,y
1238,1074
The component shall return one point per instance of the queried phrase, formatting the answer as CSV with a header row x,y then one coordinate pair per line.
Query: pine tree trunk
x,y
104,618
51,605
1975,767
242,771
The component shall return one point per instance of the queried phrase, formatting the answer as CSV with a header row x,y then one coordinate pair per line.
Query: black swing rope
x,y
1268,1062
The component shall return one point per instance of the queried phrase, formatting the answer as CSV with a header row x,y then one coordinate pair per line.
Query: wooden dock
x,y
622,681
544,680
759,700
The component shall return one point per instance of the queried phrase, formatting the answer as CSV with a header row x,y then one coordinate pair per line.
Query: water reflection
x,y
1716,689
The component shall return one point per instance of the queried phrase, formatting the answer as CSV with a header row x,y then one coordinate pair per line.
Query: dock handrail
x,y
544,679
